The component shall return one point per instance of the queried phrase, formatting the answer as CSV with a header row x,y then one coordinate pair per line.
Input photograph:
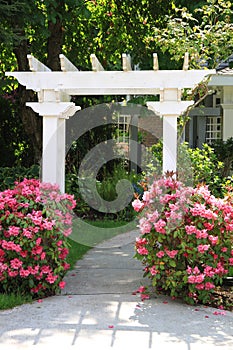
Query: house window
x,y
123,122
213,129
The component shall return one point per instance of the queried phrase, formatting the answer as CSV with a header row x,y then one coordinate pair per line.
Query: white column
x,y
171,107
53,156
169,143
50,154
227,112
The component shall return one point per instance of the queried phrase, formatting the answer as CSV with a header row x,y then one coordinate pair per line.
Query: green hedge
x,y
8,175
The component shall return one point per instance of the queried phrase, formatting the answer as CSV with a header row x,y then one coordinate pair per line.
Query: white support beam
x,y
126,62
36,66
96,65
66,65
186,61
155,62
111,82
60,109
169,107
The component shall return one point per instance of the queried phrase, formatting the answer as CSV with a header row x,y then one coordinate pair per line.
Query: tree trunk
x,y
55,39
32,123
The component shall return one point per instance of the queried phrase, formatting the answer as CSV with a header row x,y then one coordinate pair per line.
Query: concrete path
x,y
98,311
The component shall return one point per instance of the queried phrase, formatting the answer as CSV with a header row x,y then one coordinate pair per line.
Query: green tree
x,y
76,28
206,33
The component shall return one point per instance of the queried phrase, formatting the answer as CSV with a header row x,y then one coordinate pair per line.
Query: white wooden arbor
x,y
54,89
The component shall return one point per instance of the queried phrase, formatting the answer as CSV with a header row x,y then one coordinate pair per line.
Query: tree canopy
x,y
107,28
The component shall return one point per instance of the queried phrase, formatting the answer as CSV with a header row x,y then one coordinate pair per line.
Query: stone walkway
x,y
98,311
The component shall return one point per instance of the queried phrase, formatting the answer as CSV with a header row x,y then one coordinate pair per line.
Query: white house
x,y
213,119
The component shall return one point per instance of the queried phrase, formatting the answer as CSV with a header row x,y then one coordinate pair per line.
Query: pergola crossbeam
x,y
186,61
155,62
36,66
126,62
66,65
96,65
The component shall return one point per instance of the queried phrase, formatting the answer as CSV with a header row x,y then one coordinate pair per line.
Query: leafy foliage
x,y
206,33
224,152
103,193
9,175
201,165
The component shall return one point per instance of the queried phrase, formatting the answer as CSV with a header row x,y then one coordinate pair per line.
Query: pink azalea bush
x,y
186,241
35,220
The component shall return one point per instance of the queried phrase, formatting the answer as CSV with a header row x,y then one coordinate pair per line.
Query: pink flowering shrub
x,y
186,241
35,220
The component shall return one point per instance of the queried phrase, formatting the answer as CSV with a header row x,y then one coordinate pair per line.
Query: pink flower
x,y
16,263
196,270
200,210
64,253
159,226
230,261
141,289
46,269
37,250
3,267
146,196
209,285
27,233
200,286
141,241
66,266
229,227
12,273
209,271
191,279
33,271
200,278
11,246
201,234
213,239
48,225
142,251
202,248
137,205
219,270
67,232
208,226
145,226
160,254
152,217
24,253
153,271
38,241
51,278
43,255
62,284
224,249
144,296
24,272
13,231
171,253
